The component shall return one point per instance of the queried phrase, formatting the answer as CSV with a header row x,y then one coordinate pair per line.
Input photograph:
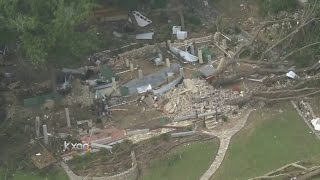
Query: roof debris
x,y
141,20
145,36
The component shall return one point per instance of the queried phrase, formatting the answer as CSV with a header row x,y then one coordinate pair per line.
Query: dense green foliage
x,y
275,6
49,29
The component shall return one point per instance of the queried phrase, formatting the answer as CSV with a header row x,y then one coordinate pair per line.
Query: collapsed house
x,y
149,82
197,96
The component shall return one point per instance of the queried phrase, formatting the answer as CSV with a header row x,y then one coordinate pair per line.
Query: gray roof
x,y
155,79
207,70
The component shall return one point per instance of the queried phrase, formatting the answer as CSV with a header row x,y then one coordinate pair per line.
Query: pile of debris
x,y
196,95
80,95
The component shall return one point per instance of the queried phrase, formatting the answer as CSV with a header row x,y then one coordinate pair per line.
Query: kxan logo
x,y
68,146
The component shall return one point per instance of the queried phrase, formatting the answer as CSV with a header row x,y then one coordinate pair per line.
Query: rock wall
x,y
130,174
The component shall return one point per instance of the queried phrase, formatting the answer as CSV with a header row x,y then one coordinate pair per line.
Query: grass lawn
x,y
184,163
270,139
55,174
315,104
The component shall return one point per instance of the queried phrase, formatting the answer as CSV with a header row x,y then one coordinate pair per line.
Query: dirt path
x,y
224,137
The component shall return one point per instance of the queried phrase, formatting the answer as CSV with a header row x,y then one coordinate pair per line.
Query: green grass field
x,y
54,174
183,163
315,104
270,140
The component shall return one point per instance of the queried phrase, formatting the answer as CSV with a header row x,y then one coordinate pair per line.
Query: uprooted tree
x,y
298,44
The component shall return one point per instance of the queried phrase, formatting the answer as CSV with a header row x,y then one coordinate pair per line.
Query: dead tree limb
x,y
260,62
286,98
303,82
286,37
286,91
241,48
266,71
300,49
309,175
270,177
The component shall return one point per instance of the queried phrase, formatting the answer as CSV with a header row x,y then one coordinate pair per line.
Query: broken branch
x,y
286,37
302,48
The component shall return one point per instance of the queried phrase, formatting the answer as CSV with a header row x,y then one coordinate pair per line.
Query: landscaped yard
x,y
184,163
274,136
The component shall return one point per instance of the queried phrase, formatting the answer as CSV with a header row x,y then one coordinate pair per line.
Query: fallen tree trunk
x,y
309,175
286,98
263,71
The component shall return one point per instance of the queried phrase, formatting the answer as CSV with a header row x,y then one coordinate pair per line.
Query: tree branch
x,y
297,50
286,37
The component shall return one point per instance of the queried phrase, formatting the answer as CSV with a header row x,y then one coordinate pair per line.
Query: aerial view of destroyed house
x,y
160,89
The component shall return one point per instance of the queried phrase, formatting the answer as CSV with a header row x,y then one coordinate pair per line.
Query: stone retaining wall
x,y
130,174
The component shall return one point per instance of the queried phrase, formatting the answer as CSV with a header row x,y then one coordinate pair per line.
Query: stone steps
x,y
210,124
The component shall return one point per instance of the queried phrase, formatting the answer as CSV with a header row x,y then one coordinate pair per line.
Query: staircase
x,y
211,123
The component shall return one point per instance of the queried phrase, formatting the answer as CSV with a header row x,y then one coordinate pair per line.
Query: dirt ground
x,y
138,116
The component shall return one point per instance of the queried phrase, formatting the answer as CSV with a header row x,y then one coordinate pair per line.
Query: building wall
x,y
130,174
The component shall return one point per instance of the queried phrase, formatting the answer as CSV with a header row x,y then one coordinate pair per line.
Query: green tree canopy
x,y
47,29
